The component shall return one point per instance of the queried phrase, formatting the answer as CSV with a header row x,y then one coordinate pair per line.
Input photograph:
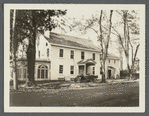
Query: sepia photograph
x,y
74,58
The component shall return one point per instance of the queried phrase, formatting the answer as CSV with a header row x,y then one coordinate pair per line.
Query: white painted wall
x,y
39,47
66,61
42,48
116,65
54,60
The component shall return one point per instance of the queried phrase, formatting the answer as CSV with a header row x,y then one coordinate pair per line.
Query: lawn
x,y
124,95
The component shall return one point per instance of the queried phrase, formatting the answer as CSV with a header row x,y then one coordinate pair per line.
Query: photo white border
x,y
141,107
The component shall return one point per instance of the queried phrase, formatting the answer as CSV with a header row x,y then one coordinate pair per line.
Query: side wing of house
x,y
112,68
42,61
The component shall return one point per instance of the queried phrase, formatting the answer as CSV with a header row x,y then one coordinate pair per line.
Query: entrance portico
x,y
86,67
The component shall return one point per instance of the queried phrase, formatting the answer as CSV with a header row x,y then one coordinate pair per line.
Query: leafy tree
x,y
27,24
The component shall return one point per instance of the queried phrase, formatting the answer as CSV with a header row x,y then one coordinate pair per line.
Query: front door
x,y
81,69
109,74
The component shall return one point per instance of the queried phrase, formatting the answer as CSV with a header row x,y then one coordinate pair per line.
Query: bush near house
x,y
83,79
125,75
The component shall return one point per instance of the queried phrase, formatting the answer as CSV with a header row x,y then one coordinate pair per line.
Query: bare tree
x,y
125,41
103,34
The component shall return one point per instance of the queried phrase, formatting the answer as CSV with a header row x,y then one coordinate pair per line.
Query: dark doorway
x,y
109,74
81,69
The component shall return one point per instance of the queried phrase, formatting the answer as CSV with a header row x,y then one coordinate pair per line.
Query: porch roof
x,y
86,61
111,67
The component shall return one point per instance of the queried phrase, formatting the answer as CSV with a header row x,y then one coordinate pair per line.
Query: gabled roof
x,y
111,56
66,40
85,61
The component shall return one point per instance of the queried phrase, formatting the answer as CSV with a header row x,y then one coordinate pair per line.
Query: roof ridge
x,y
71,36
68,40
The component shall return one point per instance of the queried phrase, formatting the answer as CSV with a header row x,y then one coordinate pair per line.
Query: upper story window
x,y
19,73
61,52
46,44
47,52
100,56
109,61
25,73
82,55
93,56
71,69
39,54
114,61
72,54
61,69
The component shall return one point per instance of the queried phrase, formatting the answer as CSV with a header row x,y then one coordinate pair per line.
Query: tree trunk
x,y
31,62
31,52
103,73
15,49
128,68
133,61
104,55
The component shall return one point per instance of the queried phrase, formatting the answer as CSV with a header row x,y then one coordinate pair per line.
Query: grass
x,y
124,95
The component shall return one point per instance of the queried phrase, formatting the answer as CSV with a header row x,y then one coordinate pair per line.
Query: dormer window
x,y
46,44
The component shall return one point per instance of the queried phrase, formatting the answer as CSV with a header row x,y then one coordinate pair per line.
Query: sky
x,y
83,13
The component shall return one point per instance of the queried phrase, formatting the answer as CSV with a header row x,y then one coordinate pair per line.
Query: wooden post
x,y
85,69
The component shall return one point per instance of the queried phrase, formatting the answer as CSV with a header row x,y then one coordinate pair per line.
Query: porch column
x,y
85,69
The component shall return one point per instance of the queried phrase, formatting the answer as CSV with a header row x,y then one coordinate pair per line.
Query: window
x,y
61,69
25,73
61,53
18,73
42,72
93,56
72,54
82,55
47,52
71,69
46,44
12,74
114,61
39,54
109,61
93,70
100,55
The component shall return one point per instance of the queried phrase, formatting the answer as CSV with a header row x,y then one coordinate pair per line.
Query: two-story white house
x,y
62,56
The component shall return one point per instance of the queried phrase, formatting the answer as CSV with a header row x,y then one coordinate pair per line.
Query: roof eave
x,y
52,44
